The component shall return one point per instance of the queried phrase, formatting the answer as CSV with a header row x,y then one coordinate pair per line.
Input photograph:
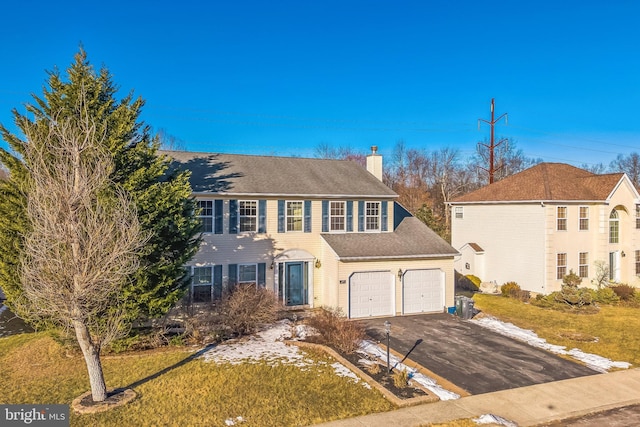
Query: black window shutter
x,y
280,216
233,276
262,270
233,217
325,216
262,216
360,215
217,210
349,215
383,207
307,216
217,282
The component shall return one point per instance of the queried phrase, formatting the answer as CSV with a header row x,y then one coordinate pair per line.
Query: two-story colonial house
x,y
535,226
317,233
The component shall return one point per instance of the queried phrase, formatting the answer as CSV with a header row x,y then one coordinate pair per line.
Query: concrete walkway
x,y
525,406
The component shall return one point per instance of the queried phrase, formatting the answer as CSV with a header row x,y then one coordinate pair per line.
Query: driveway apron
x,y
470,356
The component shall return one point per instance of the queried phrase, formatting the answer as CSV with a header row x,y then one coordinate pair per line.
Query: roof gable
x,y
547,182
270,175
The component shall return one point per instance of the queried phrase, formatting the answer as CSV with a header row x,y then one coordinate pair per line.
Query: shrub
x,y
509,289
247,307
522,295
605,295
463,283
574,296
625,292
474,279
572,279
400,378
336,330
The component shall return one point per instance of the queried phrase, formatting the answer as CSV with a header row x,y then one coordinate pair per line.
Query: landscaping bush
x,y
247,307
336,330
605,295
509,289
474,279
400,378
573,296
464,283
625,292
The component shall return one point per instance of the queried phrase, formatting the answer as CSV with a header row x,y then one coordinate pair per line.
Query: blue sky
x,y
281,77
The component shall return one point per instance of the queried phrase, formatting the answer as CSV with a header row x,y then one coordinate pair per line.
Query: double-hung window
x,y
584,218
372,216
248,215
459,213
561,266
205,208
248,273
583,264
638,263
202,284
337,216
614,227
295,215
561,218
637,216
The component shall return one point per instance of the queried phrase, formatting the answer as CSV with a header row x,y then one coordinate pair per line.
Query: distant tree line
x,y
426,180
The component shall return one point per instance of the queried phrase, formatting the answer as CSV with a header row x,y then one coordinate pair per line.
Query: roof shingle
x,y
411,239
546,182
269,175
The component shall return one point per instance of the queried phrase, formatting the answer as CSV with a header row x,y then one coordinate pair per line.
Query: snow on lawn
x,y
493,419
370,348
593,361
268,346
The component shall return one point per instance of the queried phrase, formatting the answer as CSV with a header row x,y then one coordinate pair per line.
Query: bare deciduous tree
x,y
84,240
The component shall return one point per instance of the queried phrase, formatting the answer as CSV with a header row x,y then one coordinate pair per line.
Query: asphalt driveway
x,y
470,356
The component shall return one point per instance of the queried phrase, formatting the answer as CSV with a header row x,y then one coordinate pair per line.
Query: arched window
x,y
614,227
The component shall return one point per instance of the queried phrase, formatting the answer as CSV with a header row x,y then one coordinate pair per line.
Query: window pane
x,y
562,266
294,216
248,215
202,293
638,262
584,218
372,212
337,216
459,212
247,273
562,218
584,264
206,215
202,275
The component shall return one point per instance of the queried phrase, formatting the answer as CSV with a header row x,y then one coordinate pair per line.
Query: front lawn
x,y
173,390
613,332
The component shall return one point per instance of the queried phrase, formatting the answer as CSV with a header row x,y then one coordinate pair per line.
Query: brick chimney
x,y
374,163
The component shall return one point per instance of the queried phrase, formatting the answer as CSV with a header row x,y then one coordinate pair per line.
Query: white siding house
x,y
536,226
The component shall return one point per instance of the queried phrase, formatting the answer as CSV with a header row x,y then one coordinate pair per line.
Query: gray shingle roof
x,y
546,182
411,239
269,175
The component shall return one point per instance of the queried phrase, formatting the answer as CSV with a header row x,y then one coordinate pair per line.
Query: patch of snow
x,y
593,361
370,348
268,346
302,332
232,422
493,419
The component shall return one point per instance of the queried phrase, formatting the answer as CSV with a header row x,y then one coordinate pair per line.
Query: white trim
x,y
383,257
344,217
378,217
566,218
212,217
588,218
389,197
244,264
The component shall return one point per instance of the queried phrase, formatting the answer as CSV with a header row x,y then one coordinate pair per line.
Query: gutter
x,y
394,257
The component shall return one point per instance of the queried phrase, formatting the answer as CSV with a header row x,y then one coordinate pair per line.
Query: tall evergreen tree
x,y
162,196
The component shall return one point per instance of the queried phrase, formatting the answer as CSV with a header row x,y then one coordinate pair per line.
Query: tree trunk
x,y
92,360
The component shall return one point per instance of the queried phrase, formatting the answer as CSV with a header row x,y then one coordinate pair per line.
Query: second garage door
x,y
423,291
371,294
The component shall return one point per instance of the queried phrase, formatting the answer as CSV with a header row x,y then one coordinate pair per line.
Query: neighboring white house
x,y
317,232
535,226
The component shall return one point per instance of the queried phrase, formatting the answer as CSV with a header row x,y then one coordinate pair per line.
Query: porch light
x,y
623,254
400,273
387,329
271,266
318,263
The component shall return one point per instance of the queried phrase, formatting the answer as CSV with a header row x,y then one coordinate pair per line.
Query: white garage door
x,y
423,291
371,294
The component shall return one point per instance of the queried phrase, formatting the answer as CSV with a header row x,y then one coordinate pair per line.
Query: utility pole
x,y
492,144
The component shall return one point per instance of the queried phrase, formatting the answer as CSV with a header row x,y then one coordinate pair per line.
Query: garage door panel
x,y
423,291
371,294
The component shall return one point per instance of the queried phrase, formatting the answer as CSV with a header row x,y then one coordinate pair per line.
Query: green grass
x,y
36,369
616,328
